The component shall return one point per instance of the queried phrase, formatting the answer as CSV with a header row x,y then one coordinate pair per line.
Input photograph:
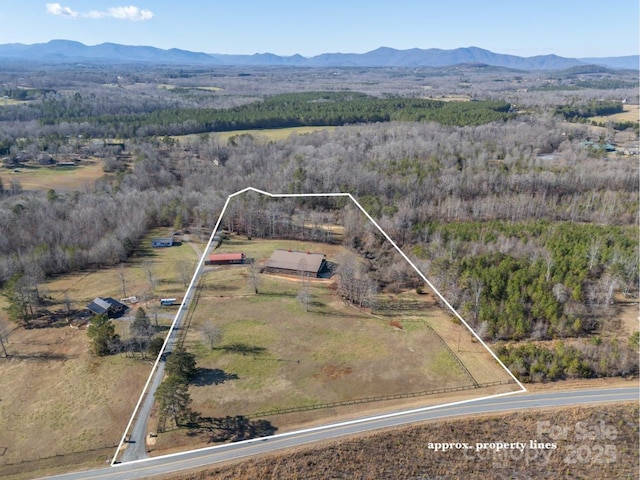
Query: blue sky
x,y
570,28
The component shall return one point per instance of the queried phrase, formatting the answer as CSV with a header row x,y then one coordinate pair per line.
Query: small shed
x,y
289,262
225,259
162,242
112,307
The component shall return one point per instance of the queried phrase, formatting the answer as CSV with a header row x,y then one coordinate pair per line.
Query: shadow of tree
x,y
218,287
43,357
235,429
242,349
212,376
396,307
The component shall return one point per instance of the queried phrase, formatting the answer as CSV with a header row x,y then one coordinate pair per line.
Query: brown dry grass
x,y
56,178
404,452
62,399
480,363
82,287
631,113
629,315
266,135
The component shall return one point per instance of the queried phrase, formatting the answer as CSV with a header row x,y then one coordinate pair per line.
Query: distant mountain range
x,y
66,51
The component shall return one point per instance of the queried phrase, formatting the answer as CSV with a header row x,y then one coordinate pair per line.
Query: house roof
x,y
103,305
99,306
297,261
225,257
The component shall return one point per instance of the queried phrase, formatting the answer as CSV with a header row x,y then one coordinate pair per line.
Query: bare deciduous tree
x,y
123,279
147,267
185,272
254,275
4,336
211,332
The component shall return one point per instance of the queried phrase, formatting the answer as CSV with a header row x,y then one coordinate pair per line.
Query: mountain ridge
x,y
68,51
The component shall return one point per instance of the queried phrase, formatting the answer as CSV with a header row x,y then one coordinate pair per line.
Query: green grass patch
x,y
445,363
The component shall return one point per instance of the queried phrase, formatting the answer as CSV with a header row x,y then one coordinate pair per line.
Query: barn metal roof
x,y
296,261
225,257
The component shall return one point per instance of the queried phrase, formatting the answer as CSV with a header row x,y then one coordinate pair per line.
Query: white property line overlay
x,y
196,274
346,423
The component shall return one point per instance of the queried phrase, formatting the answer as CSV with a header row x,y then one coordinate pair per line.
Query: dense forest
x,y
527,232
280,111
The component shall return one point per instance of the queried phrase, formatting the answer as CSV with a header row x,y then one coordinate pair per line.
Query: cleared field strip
x,y
56,178
631,113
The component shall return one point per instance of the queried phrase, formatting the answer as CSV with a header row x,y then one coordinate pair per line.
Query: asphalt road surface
x,y
178,462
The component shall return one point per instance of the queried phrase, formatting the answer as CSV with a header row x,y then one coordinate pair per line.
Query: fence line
x,y
437,335
66,458
319,406
444,344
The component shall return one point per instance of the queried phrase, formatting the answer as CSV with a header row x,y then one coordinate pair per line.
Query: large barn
x,y
290,262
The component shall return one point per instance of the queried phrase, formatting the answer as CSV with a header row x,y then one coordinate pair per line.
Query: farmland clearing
x,y
64,179
294,365
68,406
631,113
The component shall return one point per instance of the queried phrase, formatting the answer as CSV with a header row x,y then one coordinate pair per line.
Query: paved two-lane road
x,y
198,458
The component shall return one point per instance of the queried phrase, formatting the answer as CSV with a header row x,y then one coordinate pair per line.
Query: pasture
x,y
61,179
65,400
266,135
276,352
631,113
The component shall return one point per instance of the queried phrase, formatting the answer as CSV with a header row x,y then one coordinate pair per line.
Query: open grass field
x,y
165,265
267,135
631,114
273,134
167,86
275,354
58,178
62,398
58,399
11,101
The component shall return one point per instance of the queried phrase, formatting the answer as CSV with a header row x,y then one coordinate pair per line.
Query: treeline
x,y
255,216
598,358
281,111
590,109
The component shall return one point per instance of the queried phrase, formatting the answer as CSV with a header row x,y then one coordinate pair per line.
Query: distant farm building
x,y
290,262
113,308
162,242
225,259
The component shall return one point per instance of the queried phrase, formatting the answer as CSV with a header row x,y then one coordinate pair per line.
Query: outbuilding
x,y
112,307
225,259
162,242
291,262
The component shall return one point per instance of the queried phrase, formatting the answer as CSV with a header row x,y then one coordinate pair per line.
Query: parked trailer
x,y
167,302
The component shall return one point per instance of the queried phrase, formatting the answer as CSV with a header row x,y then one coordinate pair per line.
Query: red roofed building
x,y
225,259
